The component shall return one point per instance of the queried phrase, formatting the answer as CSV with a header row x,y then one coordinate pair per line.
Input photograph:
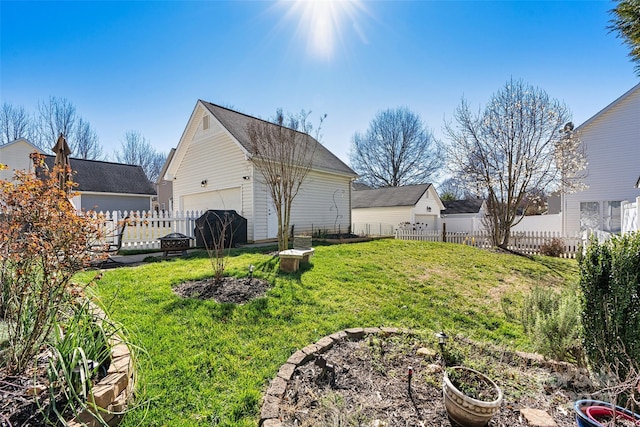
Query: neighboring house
x,y
463,215
15,155
164,188
414,204
105,186
212,169
612,144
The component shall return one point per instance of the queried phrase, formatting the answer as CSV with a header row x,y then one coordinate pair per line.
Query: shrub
x,y
43,242
553,247
552,321
610,282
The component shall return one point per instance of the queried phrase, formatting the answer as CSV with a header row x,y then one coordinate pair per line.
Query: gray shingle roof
x,y
106,177
236,123
462,206
407,195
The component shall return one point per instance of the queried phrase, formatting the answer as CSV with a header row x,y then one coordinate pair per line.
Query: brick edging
x,y
110,396
270,412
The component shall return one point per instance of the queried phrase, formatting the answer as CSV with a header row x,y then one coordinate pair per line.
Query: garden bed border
x,y
270,411
111,395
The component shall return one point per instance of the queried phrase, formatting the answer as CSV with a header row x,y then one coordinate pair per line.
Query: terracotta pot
x,y
465,410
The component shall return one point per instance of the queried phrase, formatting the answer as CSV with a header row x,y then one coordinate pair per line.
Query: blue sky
x,y
142,65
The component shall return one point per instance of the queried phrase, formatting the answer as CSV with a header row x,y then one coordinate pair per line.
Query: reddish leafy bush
x,y
43,242
553,247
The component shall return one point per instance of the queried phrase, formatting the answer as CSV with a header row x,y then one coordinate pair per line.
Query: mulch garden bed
x,y
226,290
368,385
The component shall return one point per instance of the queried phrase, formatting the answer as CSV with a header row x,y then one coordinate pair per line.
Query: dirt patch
x,y
226,290
368,384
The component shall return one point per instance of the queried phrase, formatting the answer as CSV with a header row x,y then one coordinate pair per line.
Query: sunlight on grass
x,y
208,363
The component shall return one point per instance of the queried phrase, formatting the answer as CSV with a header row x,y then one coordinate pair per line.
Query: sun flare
x,y
321,22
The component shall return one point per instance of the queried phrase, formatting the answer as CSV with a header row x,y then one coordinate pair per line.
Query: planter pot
x,y
589,413
465,410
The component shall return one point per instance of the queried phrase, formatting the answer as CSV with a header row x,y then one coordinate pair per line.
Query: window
x,y
612,217
589,216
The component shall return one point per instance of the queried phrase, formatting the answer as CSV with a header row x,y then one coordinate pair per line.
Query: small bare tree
x,y
54,116
15,123
85,144
137,150
58,115
516,146
219,246
283,151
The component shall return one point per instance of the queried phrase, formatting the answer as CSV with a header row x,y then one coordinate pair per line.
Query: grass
x,y
207,364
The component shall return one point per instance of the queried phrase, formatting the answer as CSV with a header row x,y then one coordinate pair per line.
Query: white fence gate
x,y
630,216
144,229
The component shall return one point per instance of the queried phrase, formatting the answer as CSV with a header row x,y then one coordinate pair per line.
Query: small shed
x,y
396,205
463,215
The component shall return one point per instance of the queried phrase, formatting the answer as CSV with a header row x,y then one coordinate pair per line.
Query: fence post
x,y
444,232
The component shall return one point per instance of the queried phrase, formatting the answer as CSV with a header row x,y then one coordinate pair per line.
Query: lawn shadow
x,y
218,311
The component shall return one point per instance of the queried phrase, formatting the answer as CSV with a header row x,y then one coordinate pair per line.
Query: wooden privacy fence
x,y
145,228
525,242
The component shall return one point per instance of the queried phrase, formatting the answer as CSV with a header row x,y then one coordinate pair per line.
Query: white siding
x,y
213,156
612,144
323,202
388,215
427,210
15,156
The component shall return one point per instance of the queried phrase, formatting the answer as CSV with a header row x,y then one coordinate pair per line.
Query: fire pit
x,y
175,242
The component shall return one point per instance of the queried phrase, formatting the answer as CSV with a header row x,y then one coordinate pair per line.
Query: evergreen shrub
x,y
610,282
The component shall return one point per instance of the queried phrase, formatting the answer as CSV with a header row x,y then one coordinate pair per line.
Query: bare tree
x,y
15,123
54,116
85,143
626,21
396,150
283,151
511,149
137,150
220,229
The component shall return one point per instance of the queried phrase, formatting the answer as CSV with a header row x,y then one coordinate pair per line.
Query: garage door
x,y
229,198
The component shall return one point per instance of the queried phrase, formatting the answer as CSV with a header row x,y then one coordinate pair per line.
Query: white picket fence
x,y
522,241
144,229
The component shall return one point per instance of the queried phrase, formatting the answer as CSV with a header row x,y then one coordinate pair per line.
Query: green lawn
x,y
207,364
